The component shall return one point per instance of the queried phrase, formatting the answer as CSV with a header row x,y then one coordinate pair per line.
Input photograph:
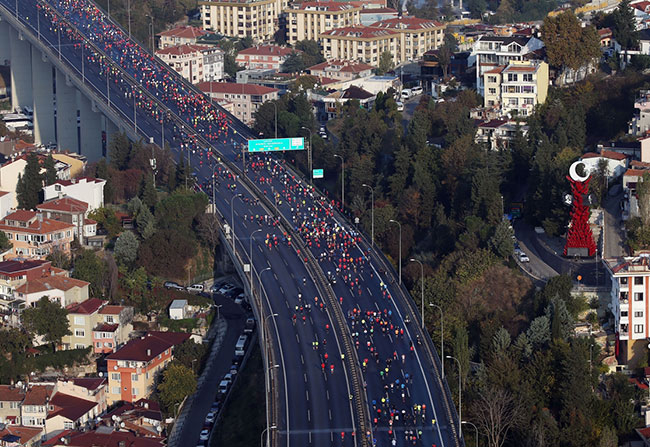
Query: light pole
x,y
422,281
309,155
372,214
400,248
442,337
276,118
342,182
232,219
109,9
260,278
128,7
151,32
460,396
475,428
273,427
250,257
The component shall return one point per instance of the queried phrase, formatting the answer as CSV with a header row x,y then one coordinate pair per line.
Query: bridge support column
x,y
91,129
111,129
21,71
5,47
66,114
42,81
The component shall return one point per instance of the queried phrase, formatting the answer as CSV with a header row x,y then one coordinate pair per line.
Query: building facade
x,y
417,36
269,57
69,210
360,43
34,409
11,398
85,189
257,19
180,35
246,98
308,20
196,63
341,70
82,318
34,236
516,88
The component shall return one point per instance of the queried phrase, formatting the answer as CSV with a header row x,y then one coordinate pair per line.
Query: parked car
x,y
240,298
195,288
400,106
204,435
214,408
523,257
172,285
417,90
234,292
209,419
233,370
216,286
250,325
226,288
223,387
406,93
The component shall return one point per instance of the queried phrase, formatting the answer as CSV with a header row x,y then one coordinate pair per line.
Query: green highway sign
x,y
318,173
276,144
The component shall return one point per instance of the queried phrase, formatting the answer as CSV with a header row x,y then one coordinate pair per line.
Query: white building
x,y
196,63
178,310
616,163
497,133
86,189
181,35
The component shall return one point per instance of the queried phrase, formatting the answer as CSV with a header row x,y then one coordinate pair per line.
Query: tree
x,y
119,150
190,354
445,53
624,26
311,54
385,63
5,244
126,248
497,412
29,183
643,194
50,170
209,230
59,259
47,319
89,267
145,223
293,63
501,242
177,382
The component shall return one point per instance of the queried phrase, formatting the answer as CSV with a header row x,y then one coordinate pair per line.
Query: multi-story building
x,y
630,304
493,51
368,16
361,43
82,317
113,328
497,133
32,235
269,57
86,189
246,98
34,409
87,388
196,63
133,368
257,19
517,87
181,35
66,412
341,70
23,436
640,123
417,36
16,272
11,398
72,211
60,288
307,20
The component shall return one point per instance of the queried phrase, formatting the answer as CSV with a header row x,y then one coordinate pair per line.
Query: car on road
x,y
250,325
523,257
204,435
195,288
417,90
321,129
240,298
400,106
233,370
406,93
172,285
209,419
225,289
223,387
214,408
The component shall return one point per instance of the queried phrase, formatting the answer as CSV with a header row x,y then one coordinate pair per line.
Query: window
x,y
638,296
638,280
116,376
98,344
134,377
638,314
638,329
492,91
528,77
79,333
624,313
115,390
134,391
68,425
79,320
492,79
623,296
512,77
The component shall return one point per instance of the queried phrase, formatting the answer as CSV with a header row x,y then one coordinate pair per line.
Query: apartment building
x,y
11,398
16,272
196,63
493,51
497,133
113,328
630,304
246,98
257,19
417,36
341,70
32,235
60,288
369,15
87,388
66,412
308,20
34,409
181,35
82,318
270,57
133,368
360,43
85,189
69,210
517,87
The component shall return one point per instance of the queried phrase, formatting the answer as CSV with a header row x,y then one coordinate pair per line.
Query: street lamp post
x,y
475,428
273,427
151,38
460,396
250,257
442,337
400,248
276,118
372,214
128,7
309,155
232,219
422,281
342,182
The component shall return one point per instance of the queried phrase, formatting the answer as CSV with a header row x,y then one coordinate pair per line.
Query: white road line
x,y
297,338
327,392
302,359
307,395
281,289
308,415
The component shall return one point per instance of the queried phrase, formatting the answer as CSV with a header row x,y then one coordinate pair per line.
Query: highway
x,y
320,399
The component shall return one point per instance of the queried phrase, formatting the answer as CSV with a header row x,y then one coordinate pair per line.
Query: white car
x,y
204,435
416,90
195,288
523,257
209,419
225,289
400,106
406,93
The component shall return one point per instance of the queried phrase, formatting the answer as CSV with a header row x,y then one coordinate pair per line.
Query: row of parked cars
x,y
194,288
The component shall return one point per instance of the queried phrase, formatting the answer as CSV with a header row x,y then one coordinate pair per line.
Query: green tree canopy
x,y
50,170
126,248
30,183
89,267
568,44
177,382
623,24
311,54
294,63
47,319
385,63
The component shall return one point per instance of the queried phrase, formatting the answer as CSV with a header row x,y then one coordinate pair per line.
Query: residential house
x,y
417,36
85,189
307,20
83,318
66,412
517,87
490,52
616,163
265,77
11,397
196,63
77,162
640,123
330,105
60,288
368,16
104,437
246,98
7,199
257,19
34,409
87,388
361,43
32,235
113,328
178,309
18,435
630,305
72,211
497,133
13,168
341,70
270,57
16,272
133,368
142,416
180,35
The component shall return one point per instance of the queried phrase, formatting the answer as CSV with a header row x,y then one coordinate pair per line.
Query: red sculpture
x,y
580,234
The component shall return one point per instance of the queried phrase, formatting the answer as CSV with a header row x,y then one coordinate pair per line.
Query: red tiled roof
x,y
88,307
496,70
38,394
51,283
21,215
149,346
645,432
234,88
111,309
410,23
519,68
186,32
25,434
106,327
361,32
641,6
14,266
180,50
3,193
606,154
10,393
90,383
640,164
268,50
70,407
635,172
64,204
78,180
36,227
93,439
